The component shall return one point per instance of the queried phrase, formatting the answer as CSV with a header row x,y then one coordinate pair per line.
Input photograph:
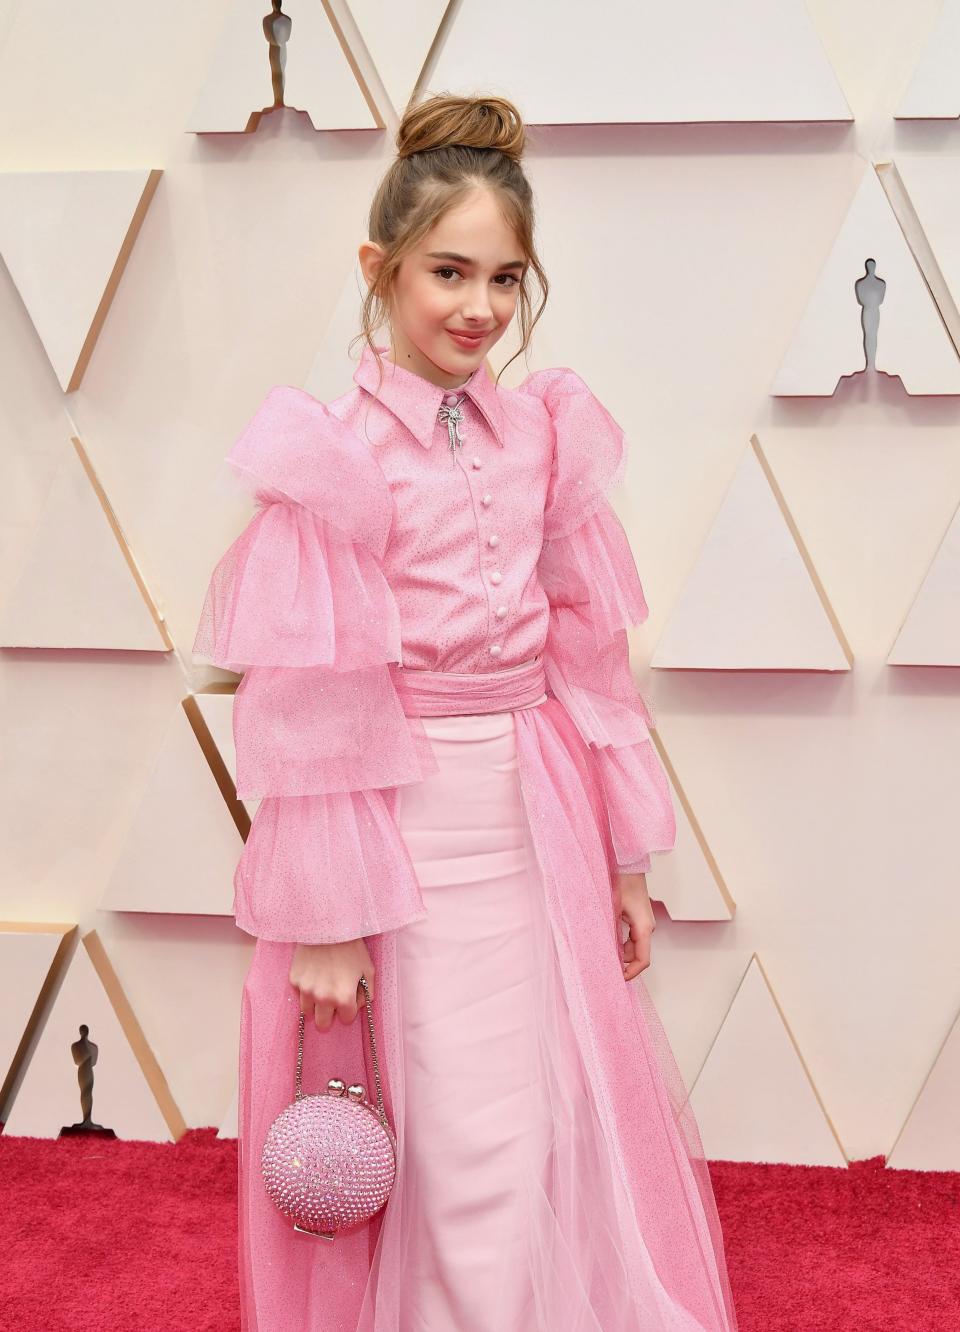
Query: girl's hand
x,y
632,904
328,978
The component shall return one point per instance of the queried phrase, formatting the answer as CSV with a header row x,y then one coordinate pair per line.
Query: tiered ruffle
x,y
300,604
589,574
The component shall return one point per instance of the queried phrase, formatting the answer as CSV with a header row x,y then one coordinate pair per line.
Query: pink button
x,y
449,399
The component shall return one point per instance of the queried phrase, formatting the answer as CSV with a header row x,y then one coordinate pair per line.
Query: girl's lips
x,y
465,341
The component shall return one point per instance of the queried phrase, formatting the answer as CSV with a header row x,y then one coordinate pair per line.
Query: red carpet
x,y
111,1236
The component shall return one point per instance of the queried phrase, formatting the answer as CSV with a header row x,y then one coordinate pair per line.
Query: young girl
x,y
459,801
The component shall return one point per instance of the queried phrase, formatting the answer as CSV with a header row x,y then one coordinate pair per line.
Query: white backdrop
x,y
827,799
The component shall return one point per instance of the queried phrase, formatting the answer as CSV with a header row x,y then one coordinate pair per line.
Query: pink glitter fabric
x,y
389,541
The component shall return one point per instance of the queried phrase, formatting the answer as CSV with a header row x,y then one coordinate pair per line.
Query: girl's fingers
x,y
636,951
635,965
325,1012
630,968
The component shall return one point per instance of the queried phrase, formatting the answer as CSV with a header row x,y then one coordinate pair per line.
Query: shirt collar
x,y
416,402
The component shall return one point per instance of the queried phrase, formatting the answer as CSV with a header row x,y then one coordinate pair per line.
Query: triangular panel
x,y
334,363
930,1137
911,341
32,956
80,586
399,40
319,75
66,236
130,1095
753,1098
660,63
687,880
930,634
211,714
924,192
753,600
932,92
182,846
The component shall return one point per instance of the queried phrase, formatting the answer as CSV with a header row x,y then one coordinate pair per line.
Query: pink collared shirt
x,y
468,525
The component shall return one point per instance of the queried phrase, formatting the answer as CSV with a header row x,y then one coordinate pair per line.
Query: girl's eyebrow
x,y
462,259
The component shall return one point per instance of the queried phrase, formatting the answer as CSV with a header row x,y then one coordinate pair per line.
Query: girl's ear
x,y
370,255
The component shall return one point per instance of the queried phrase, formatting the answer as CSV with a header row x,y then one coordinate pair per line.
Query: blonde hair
x,y
446,147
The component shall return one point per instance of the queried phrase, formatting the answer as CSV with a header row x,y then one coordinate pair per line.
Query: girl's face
x,y
464,276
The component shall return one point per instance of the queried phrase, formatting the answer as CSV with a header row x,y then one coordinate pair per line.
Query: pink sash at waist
x,y
457,693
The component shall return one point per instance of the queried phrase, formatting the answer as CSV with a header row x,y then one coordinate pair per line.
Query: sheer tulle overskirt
x,y
618,1210
592,1267
288,1280
652,1144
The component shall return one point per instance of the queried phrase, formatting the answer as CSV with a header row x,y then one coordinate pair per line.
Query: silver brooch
x,y
453,416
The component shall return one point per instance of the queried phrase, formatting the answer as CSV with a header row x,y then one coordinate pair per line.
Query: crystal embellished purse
x,y
329,1160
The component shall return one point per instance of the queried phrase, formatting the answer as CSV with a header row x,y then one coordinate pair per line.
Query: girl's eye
x,y
447,269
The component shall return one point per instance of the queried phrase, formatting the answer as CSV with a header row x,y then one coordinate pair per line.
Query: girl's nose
x,y
477,306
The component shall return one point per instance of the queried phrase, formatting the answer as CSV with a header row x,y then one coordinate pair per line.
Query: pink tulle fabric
x,y
279,893
589,449
627,1234
300,604
315,730
588,572
295,591
623,1228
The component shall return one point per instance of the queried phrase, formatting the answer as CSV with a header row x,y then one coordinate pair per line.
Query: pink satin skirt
x,y
506,1214
474,1110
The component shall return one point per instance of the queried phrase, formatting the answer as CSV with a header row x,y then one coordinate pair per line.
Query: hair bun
x,y
447,121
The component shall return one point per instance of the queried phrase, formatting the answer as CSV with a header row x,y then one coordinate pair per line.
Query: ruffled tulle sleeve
x,y
300,605
589,575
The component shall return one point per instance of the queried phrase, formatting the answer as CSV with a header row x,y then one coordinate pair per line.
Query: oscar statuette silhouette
x,y
276,28
85,1053
870,291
